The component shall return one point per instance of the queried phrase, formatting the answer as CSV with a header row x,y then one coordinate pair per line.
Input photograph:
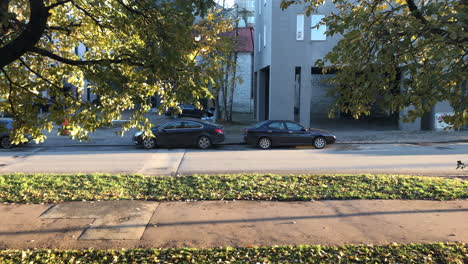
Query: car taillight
x,y
219,131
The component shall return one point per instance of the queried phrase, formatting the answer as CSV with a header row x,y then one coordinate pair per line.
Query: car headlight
x,y
139,133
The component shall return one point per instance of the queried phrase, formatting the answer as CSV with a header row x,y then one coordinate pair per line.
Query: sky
x,y
228,3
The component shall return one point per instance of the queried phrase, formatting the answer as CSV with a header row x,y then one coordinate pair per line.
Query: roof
x,y
245,42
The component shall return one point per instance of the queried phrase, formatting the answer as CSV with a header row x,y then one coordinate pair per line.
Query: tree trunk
x,y
225,93
29,37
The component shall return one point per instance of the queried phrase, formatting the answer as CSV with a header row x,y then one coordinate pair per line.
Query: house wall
x,y
283,53
242,93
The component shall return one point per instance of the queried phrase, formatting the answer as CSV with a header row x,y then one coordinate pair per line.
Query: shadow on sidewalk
x,y
230,221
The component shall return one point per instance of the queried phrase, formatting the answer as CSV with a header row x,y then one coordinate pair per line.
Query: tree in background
x,y
219,61
135,49
425,42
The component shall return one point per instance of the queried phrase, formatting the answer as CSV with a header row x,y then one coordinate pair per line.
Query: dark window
x,y
276,125
5,125
319,70
297,94
261,124
174,125
192,125
187,107
294,126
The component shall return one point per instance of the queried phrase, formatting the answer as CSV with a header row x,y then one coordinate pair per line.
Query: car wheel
x,y
264,143
319,142
204,142
149,143
5,143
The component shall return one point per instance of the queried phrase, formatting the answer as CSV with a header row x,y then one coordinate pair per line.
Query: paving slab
x,y
243,223
113,219
22,225
231,223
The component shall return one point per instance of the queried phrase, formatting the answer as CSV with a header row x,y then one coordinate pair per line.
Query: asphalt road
x,y
419,159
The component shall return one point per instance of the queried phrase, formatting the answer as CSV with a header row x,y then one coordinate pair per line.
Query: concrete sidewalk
x,y
129,224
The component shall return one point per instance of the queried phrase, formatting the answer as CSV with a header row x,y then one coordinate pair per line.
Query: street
x,y
417,159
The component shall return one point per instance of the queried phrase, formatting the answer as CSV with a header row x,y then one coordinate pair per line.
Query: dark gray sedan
x,y
271,133
182,133
6,125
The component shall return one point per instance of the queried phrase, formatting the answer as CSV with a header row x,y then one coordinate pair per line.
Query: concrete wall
x,y
410,126
284,53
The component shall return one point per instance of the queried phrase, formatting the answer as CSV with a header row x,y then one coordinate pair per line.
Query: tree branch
x,y
59,3
67,28
29,37
90,16
131,10
45,79
415,11
58,58
22,87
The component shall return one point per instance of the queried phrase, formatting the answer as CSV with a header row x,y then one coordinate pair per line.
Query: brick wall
x,y
242,93
320,101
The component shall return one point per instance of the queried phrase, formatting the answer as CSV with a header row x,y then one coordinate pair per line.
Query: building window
x,y
317,33
297,94
264,36
264,2
259,7
300,27
251,20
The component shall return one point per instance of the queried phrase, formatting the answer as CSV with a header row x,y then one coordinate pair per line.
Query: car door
x,y
277,132
191,132
169,134
297,134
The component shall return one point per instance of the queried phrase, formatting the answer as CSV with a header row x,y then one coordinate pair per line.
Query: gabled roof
x,y
245,42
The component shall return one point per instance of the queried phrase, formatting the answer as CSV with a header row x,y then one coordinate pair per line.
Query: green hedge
x,y
41,188
413,253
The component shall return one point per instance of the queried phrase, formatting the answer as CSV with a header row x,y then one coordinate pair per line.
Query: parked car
x,y
182,133
6,125
189,110
271,133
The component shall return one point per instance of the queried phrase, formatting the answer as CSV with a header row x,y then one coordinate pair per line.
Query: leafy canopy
x,y
134,49
405,53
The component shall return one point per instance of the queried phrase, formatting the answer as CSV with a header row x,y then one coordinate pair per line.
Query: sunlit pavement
x,y
424,159
150,224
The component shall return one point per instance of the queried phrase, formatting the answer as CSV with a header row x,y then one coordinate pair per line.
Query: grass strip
x,y
47,188
413,253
